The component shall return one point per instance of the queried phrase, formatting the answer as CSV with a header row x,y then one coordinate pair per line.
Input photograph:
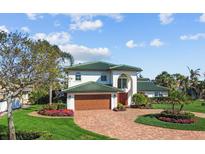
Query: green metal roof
x,y
143,79
101,66
91,87
126,68
149,86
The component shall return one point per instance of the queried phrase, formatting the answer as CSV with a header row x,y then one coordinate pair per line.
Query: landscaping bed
x,y
58,110
59,113
178,117
152,120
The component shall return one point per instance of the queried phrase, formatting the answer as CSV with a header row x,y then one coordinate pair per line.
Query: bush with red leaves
x,y
60,113
181,121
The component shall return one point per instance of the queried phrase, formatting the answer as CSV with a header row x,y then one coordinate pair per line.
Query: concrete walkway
x,y
121,125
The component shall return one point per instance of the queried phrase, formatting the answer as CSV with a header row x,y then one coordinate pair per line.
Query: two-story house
x,y
100,85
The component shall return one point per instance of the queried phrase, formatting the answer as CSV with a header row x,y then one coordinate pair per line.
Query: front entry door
x,y
123,98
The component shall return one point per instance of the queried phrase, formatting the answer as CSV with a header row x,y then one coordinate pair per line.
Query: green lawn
x,y
60,129
151,120
195,106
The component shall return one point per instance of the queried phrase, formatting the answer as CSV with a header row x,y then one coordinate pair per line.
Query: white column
x,y
113,100
70,101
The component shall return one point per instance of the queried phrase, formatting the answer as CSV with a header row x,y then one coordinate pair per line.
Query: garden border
x,y
35,114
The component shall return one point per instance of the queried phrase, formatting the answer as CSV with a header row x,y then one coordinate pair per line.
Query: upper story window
x,y
78,76
103,77
122,83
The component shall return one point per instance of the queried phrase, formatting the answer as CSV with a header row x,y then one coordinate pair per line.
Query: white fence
x,y
15,105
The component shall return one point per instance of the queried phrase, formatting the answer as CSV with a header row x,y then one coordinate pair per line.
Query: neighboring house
x,y
150,89
17,103
100,85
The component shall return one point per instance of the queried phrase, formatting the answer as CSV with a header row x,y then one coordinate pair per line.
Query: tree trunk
x,y
173,107
181,107
11,128
50,95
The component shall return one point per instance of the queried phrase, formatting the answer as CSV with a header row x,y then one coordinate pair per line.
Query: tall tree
x,y
182,82
22,64
167,80
194,80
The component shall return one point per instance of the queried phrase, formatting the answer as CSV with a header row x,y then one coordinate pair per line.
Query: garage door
x,y
92,102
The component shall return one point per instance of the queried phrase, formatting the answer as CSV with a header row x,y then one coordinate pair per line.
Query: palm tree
x,y
194,82
182,81
166,80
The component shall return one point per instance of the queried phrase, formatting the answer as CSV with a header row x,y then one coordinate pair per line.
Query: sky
x,y
153,42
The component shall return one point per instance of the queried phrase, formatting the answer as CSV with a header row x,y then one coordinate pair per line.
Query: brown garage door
x,y
92,102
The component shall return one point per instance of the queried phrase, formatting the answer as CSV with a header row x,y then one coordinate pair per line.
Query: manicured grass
x,y
195,106
60,129
199,125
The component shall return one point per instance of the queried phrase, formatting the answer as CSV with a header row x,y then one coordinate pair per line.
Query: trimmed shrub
x,y
32,135
177,115
203,104
55,106
61,106
139,99
120,107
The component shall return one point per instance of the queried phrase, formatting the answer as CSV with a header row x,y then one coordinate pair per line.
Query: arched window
x,y
122,82
78,76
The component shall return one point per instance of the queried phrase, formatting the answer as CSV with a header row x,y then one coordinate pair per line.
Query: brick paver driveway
x,y
121,125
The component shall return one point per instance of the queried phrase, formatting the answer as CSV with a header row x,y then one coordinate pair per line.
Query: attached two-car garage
x,y
92,102
91,96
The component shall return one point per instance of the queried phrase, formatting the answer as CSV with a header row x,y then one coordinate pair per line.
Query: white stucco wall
x,y
112,78
88,76
71,101
132,82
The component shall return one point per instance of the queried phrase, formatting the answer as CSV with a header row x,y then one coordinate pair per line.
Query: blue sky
x,y
154,42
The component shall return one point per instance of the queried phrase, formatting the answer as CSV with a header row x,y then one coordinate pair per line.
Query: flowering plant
x,y
182,121
61,112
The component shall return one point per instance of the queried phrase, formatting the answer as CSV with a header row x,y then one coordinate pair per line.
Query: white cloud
x,y
4,28
57,38
86,25
166,18
80,53
25,29
86,22
156,43
202,18
34,16
83,53
132,44
116,16
193,37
